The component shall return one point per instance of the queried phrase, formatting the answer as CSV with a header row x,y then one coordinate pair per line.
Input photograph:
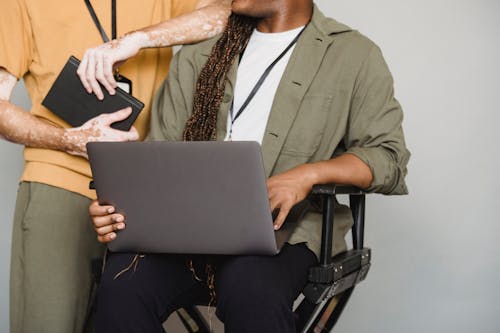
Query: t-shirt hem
x,y
57,176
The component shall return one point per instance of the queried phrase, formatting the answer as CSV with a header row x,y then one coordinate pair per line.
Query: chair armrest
x,y
342,264
334,189
346,270
335,275
357,202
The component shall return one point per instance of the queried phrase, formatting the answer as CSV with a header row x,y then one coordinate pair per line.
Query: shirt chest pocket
x,y
307,130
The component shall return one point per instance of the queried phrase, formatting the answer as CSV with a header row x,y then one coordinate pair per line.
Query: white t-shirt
x,y
261,51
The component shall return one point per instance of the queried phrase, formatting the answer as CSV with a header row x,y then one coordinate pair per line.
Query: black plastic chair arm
x,y
333,189
357,204
334,275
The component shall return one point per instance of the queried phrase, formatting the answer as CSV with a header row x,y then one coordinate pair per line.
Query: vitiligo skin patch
x,y
197,26
98,63
19,126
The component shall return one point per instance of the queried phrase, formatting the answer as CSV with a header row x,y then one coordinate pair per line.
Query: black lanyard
x,y
98,24
260,82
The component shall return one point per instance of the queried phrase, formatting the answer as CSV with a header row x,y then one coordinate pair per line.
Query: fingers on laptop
x,y
284,205
106,221
106,227
95,209
106,238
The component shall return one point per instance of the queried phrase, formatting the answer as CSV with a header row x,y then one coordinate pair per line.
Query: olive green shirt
x,y
335,97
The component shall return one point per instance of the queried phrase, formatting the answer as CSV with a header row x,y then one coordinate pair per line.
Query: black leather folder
x,y
69,100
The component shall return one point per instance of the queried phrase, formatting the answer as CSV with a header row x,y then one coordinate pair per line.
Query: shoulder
x,y
193,57
350,42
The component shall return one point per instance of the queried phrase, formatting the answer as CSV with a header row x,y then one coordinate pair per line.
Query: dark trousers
x,y
253,293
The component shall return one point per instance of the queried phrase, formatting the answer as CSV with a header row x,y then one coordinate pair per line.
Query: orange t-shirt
x,y
36,40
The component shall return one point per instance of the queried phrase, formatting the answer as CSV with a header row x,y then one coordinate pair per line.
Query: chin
x,y
250,8
240,7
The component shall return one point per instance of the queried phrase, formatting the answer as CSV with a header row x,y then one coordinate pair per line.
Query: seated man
x,y
327,93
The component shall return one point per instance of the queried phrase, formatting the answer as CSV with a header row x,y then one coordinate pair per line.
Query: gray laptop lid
x,y
186,197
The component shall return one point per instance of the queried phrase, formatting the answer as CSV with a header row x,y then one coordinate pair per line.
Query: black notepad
x,y
69,100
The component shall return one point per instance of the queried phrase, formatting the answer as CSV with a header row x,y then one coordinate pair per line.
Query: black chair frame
x,y
332,282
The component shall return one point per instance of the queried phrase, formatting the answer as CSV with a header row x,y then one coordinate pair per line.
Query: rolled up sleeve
x,y
374,133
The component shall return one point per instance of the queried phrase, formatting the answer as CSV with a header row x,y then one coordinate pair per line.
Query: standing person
x,y
53,241
329,93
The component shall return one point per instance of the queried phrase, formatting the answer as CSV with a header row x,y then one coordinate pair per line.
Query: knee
x,y
244,289
122,291
250,303
113,294
253,298
120,308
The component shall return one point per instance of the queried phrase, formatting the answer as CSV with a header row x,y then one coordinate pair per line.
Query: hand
x,y
106,221
98,129
98,63
289,188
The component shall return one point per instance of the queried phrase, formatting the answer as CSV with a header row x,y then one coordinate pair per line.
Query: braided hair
x,y
211,83
208,95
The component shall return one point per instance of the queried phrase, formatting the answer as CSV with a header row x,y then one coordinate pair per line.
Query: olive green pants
x,y
53,245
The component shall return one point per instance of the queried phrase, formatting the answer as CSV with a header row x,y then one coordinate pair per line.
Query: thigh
x,y
53,247
143,290
256,293
284,274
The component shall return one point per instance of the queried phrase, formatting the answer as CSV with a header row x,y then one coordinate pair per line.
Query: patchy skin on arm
x,y
19,126
98,129
7,83
208,20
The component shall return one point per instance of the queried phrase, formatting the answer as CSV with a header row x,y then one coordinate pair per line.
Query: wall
x,y
436,256
10,170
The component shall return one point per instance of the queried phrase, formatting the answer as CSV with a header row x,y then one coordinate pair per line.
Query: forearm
x,y
290,187
203,23
19,126
346,169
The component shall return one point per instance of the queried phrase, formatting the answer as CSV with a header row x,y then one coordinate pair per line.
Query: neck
x,y
285,20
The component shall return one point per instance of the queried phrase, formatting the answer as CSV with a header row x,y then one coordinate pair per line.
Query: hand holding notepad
x,y
69,100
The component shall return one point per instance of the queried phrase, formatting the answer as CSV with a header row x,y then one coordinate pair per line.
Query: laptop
x,y
186,197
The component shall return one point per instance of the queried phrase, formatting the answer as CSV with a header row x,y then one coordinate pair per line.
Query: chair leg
x,y
308,313
337,311
321,318
193,320
303,313
321,323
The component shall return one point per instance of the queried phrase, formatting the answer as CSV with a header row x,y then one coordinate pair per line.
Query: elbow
x,y
216,15
366,181
364,178
394,175
223,9
220,8
386,170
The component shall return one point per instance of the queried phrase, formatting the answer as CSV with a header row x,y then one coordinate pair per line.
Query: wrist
x,y
137,39
310,174
73,141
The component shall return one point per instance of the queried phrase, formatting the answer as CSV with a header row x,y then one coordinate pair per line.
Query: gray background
x,y
436,260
